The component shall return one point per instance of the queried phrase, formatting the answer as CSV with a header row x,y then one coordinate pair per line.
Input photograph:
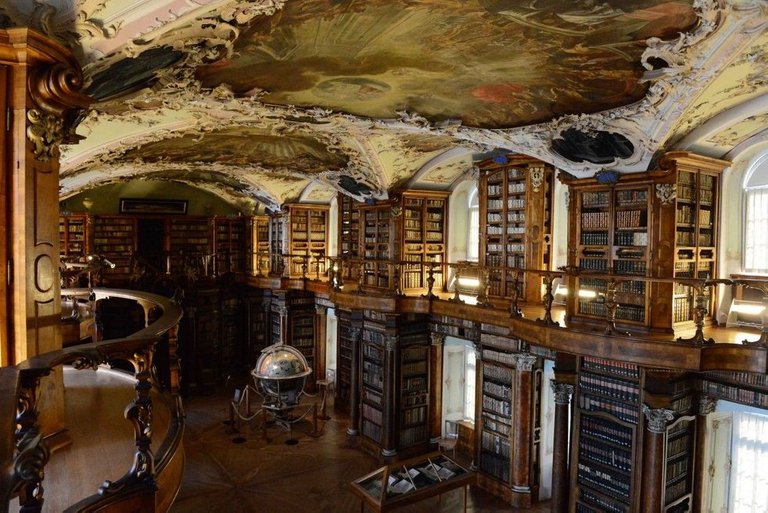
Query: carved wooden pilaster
x,y
656,421
354,378
436,385
522,411
321,328
391,389
706,406
39,87
560,486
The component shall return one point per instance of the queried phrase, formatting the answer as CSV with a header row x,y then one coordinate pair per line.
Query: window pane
x,y
470,364
756,231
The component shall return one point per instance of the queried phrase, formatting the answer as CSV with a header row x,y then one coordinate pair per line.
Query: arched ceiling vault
x,y
277,101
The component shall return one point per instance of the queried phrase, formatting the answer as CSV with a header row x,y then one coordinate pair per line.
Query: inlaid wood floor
x,y
269,476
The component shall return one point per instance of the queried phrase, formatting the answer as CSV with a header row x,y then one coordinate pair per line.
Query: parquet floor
x,y
270,476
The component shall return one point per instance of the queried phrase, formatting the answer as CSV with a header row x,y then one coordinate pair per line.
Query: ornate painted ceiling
x,y
274,101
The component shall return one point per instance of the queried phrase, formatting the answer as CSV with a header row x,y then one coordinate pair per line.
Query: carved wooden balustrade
x,y
23,452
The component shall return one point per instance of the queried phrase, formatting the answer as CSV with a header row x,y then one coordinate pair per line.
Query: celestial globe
x,y
280,374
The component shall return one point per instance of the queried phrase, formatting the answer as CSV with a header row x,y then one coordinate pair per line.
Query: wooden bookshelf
x,y
515,222
74,235
605,474
307,237
693,232
114,237
349,227
277,242
349,325
190,242
424,236
659,223
379,244
260,244
229,244
395,383
293,323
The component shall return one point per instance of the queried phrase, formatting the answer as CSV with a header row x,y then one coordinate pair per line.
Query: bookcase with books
x,y
260,244
676,392
349,325
659,223
307,238
114,237
507,421
257,310
189,242
229,244
739,387
277,242
515,222
608,424
74,235
688,223
349,227
293,323
379,244
424,236
394,382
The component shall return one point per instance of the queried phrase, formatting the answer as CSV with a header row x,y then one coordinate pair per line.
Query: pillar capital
x,y
706,405
563,392
657,418
524,362
436,338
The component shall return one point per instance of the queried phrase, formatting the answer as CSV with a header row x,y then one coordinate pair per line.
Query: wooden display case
x,y
515,222
406,482
74,235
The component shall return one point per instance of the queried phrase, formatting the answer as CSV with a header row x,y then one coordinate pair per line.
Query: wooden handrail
x,y
23,453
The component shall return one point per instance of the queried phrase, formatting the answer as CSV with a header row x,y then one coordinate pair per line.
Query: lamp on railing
x,y
548,300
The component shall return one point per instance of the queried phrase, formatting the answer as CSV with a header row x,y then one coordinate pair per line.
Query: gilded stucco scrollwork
x,y
45,132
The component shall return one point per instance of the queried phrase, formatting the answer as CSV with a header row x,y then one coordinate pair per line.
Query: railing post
x,y
700,310
397,279
430,281
763,340
514,308
485,286
32,454
548,298
611,305
360,274
139,413
456,296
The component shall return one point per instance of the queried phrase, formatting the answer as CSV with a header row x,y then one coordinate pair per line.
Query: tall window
x,y
473,235
756,217
749,482
470,366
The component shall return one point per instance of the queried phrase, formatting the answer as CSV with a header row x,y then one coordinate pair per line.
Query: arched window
x,y
473,231
756,217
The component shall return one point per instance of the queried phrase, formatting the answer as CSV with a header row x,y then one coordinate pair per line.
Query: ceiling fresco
x,y
490,64
275,101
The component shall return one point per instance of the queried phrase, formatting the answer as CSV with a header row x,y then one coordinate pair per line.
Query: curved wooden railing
x,y
23,451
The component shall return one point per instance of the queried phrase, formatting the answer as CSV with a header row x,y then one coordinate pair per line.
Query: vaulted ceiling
x,y
271,101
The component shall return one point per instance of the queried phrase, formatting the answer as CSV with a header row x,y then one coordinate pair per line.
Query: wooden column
x,y
321,328
522,409
391,392
355,383
39,85
563,393
706,406
652,496
436,386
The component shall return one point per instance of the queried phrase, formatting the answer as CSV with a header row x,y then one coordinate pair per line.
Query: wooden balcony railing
x,y
23,451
